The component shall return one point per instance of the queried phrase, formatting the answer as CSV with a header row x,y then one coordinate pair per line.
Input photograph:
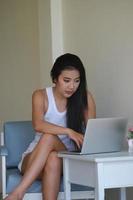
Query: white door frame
x,y
56,28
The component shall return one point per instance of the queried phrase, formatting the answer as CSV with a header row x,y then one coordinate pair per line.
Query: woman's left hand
x,y
76,137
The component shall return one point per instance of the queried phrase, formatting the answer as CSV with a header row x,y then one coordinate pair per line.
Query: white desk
x,y
101,171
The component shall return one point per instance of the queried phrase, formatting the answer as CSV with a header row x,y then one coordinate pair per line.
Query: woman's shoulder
x,y
90,97
39,98
91,105
89,94
39,94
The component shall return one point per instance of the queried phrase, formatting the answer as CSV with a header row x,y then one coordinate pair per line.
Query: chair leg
x,y
3,176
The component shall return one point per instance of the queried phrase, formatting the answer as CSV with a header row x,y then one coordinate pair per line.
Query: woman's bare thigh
x,y
29,158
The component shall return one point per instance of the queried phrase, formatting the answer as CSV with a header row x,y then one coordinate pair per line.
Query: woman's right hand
x,y
76,137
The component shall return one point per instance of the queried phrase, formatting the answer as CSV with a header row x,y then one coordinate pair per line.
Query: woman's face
x,y
68,82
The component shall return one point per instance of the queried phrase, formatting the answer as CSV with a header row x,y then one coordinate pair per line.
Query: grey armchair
x,y
15,138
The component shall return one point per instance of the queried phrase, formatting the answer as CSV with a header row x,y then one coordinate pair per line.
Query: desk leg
x,y
99,193
67,184
122,194
99,189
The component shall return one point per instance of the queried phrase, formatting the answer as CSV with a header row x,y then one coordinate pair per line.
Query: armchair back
x,y
17,137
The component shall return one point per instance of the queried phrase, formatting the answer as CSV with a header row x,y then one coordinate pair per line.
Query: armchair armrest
x,y
3,151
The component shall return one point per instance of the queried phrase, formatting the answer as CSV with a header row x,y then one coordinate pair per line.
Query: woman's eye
x,y
77,81
66,81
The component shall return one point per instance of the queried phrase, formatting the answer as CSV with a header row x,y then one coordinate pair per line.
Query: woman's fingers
x,y
78,138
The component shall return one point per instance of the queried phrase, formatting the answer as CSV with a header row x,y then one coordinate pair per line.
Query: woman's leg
x,y
51,177
34,163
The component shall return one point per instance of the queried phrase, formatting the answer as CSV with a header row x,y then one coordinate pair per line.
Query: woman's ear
x,y
54,81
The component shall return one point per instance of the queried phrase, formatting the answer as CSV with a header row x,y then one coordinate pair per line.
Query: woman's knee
x,y
48,138
54,163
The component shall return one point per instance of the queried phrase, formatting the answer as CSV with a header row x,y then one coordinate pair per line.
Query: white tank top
x,y
53,115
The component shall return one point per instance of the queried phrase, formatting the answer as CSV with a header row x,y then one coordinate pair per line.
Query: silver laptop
x,y
103,135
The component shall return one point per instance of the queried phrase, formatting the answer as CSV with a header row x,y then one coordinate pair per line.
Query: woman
x,y
59,117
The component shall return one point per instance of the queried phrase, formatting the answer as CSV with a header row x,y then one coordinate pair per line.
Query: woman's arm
x,y
91,111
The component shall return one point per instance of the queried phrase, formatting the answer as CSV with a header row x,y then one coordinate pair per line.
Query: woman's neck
x,y
60,100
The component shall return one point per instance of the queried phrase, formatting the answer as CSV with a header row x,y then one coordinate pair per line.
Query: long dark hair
x,y
77,103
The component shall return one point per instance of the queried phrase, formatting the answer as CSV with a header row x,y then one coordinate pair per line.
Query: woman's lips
x,y
69,92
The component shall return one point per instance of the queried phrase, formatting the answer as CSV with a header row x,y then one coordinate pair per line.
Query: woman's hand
x,y
76,137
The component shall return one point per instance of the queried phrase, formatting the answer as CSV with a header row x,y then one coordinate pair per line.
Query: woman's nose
x,y
71,86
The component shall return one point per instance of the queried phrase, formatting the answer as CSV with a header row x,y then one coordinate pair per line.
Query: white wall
x,y
19,58
45,43
101,33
